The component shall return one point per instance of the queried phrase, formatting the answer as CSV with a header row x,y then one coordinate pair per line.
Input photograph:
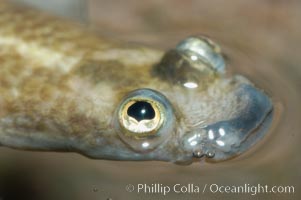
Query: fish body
x,y
63,88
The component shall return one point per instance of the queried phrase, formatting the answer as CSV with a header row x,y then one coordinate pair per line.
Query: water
x,y
261,41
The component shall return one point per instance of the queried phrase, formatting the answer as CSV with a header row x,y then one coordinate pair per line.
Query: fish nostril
x,y
200,154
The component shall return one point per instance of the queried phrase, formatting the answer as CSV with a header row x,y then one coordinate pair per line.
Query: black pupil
x,y
141,110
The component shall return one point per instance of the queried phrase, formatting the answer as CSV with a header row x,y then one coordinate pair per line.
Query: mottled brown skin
x,y
37,85
60,86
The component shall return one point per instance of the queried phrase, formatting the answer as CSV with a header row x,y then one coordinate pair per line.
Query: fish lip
x,y
258,133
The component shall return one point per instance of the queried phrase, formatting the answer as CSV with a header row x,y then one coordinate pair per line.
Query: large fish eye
x,y
145,119
141,117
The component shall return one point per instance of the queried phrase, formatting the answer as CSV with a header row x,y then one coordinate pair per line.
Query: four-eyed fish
x,y
63,88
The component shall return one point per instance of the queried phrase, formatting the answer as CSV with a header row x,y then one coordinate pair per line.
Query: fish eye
x,y
141,117
144,119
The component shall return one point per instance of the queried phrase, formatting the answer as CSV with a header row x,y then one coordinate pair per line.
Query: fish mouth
x,y
251,140
227,139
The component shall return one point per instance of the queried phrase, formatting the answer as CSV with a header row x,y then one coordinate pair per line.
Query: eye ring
x,y
146,126
144,119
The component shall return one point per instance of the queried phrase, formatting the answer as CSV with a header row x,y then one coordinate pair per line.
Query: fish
x,y
65,88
